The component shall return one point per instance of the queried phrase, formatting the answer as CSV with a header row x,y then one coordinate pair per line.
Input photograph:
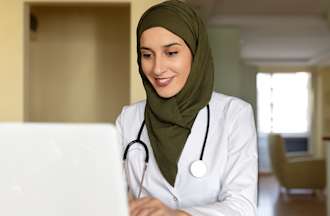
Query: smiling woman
x,y
166,60
203,159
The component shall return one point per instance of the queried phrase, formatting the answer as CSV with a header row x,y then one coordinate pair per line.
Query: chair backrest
x,y
277,155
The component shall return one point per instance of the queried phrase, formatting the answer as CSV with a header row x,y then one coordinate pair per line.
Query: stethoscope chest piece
x,y
198,169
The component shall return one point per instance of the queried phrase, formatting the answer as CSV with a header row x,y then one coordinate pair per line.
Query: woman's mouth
x,y
163,82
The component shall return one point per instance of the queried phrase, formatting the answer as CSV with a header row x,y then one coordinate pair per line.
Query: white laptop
x,y
60,170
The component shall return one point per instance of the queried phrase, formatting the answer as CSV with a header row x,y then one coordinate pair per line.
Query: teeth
x,y
163,80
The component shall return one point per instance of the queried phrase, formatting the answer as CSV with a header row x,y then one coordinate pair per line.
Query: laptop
x,y
61,170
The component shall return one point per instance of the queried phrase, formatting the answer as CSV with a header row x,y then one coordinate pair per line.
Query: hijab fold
x,y
169,120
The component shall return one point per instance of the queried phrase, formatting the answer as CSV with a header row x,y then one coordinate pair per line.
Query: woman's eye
x,y
146,55
173,53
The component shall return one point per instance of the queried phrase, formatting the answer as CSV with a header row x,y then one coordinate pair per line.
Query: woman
x,y
201,144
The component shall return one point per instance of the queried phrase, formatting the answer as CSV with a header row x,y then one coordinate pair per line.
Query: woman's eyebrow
x,y
166,46
145,48
171,44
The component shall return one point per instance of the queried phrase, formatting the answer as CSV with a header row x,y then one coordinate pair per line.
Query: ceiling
x,y
274,32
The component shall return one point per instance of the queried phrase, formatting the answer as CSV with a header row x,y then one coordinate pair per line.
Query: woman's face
x,y
165,59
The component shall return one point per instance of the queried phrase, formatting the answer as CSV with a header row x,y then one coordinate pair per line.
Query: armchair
x,y
298,172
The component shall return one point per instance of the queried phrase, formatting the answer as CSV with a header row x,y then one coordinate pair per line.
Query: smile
x,y
163,82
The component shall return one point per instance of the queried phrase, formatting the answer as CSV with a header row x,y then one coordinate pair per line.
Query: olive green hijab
x,y
169,120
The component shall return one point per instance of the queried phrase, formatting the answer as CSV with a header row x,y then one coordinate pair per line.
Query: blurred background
x,y
276,55
75,61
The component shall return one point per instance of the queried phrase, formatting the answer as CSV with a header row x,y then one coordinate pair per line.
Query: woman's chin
x,y
167,89
165,93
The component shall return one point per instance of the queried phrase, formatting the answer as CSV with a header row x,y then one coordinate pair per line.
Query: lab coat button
x,y
175,199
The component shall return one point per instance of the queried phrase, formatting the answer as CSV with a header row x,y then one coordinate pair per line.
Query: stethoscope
x,y
197,168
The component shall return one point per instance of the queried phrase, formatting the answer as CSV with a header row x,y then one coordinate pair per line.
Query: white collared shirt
x,y
229,187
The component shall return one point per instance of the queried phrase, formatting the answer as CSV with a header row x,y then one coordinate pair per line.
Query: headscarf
x,y
169,120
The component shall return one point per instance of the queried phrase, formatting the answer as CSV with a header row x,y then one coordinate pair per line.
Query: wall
x,y
316,114
226,48
232,76
248,86
321,124
11,60
79,66
326,101
12,52
325,6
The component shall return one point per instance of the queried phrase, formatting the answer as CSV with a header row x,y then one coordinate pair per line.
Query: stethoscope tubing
x,y
146,160
206,133
139,141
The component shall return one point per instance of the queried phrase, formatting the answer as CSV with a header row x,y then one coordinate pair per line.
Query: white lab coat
x,y
230,185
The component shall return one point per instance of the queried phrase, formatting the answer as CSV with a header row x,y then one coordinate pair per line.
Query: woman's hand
x,y
149,206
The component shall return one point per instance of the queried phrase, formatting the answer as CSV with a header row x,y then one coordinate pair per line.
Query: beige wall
x,y
12,52
317,147
325,77
11,60
321,124
79,63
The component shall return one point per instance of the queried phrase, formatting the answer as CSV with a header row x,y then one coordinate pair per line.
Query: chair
x,y
297,172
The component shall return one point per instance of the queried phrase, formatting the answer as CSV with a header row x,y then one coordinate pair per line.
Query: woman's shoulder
x,y
228,104
130,119
133,112
134,108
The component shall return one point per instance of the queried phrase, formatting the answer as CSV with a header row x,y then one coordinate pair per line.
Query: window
x,y
283,103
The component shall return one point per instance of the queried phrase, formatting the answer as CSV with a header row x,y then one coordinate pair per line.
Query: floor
x,y
299,203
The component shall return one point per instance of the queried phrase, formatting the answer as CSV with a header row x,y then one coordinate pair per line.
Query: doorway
x,y
77,62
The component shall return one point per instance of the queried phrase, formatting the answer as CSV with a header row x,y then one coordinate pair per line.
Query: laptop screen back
x,y
60,170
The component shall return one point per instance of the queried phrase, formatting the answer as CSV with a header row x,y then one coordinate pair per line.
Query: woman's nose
x,y
158,66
